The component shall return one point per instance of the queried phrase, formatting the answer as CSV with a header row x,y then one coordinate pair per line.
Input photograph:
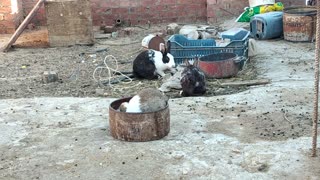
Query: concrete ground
x,y
221,137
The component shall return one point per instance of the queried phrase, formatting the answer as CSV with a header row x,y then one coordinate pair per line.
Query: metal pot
x,y
299,23
138,127
221,65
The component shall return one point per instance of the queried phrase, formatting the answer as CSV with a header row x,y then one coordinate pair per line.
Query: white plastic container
x,y
254,3
145,41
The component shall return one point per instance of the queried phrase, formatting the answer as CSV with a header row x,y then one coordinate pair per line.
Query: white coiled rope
x,y
110,72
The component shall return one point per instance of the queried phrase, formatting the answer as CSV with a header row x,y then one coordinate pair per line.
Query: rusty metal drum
x,y
299,24
138,127
220,65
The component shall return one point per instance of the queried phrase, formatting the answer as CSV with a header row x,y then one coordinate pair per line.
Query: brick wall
x,y
39,18
142,11
105,12
218,10
10,16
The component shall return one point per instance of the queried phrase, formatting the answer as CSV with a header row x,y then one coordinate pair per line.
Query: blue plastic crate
x,y
182,48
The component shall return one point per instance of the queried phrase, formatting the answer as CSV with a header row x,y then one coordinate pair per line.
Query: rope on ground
x,y
316,85
111,72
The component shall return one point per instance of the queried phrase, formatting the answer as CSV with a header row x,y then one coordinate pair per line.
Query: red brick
x,y
124,3
5,3
210,2
6,9
135,3
120,11
211,13
148,2
9,17
8,23
114,3
167,2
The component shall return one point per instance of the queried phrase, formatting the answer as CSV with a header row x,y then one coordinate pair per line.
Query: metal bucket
x,y
299,24
138,127
220,65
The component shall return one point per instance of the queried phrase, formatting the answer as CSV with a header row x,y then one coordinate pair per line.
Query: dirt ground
x,y
21,69
256,132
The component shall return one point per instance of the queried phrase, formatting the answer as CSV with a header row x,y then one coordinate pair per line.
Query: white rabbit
x,y
147,100
151,63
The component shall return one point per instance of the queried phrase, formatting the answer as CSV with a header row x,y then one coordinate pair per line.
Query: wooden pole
x,y
246,83
22,26
316,85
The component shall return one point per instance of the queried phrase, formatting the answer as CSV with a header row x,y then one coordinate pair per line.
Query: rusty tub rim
x,y
225,55
126,99
138,127
301,10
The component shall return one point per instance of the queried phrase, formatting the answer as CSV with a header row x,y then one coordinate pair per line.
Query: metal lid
x,y
301,10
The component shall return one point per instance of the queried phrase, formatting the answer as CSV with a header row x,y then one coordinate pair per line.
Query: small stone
x,y
124,32
178,155
172,28
108,29
100,91
114,34
200,148
230,162
263,167
49,76
185,171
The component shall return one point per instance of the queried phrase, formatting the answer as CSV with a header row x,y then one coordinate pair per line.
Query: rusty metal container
x,y
138,127
220,65
299,23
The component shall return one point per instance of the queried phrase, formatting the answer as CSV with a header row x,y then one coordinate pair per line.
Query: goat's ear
x,y
162,47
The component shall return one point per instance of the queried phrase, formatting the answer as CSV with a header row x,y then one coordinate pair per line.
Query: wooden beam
x,y
22,26
246,83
